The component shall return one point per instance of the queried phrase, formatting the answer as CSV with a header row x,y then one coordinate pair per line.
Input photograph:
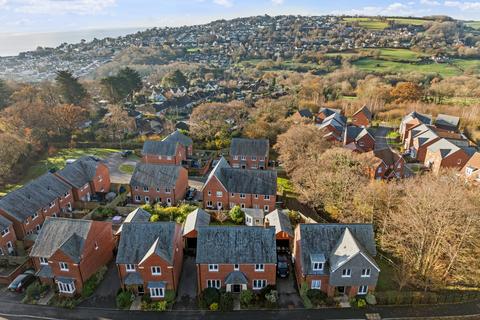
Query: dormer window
x,y
317,266
317,261
43,261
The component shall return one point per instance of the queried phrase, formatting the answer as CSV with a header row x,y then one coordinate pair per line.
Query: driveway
x,y
114,162
288,296
381,137
187,288
7,295
106,293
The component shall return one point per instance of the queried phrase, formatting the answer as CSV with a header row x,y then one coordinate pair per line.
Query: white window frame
x,y
316,284
317,266
258,284
35,216
219,194
168,190
157,292
156,271
346,273
366,273
52,204
259,267
43,261
63,266
266,197
147,199
236,267
256,196
138,198
158,189
66,287
214,283
244,158
213,267
363,290
129,267
145,189
243,196
235,157
266,208
169,157
254,158
5,231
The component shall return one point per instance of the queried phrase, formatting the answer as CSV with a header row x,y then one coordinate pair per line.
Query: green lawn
x,y
57,161
400,54
127,168
474,24
385,279
409,21
284,185
382,66
368,23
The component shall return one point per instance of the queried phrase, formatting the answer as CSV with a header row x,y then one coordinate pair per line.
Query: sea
x,y
11,44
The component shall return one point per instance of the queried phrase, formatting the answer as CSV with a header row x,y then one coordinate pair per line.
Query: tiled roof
x,y
80,172
159,148
178,137
155,175
249,147
197,218
280,220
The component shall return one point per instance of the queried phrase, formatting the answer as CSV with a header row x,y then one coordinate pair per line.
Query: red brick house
x,y
358,139
227,187
7,237
303,115
163,152
387,164
471,170
324,113
184,141
333,127
445,154
196,219
87,176
68,252
412,120
150,257
336,258
27,207
154,183
236,258
362,117
249,153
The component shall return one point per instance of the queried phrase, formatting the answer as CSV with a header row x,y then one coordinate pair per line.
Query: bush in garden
x,y
213,306
226,301
272,297
237,215
210,295
370,298
316,296
246,297
124,299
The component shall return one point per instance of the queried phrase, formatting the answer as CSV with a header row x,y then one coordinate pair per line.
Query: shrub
x,y
169,297
237,215
370,298
317,297
226,301
303,293
92,283
210,295
124,299
214,306
272,297
33,291
102,213
358,302
246,297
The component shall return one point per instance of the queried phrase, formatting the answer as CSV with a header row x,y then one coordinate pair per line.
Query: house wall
x,y
456,160
9,237
360,120
422,150
177,159
212,186
224,270
356,265
101,181
250,163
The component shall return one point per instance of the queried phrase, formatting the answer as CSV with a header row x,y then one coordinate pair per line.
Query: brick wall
x,y
180,155
9,237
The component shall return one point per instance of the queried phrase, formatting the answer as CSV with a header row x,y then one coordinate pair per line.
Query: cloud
x,y
431,3
463,5
224,3
277,2
81,7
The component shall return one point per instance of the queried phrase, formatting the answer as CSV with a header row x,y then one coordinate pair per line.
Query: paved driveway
x,y
187,288
381,137
114,162
288,296
7,295
106,293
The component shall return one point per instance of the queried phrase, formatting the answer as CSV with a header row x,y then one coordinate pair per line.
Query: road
x,y
12,310
381,137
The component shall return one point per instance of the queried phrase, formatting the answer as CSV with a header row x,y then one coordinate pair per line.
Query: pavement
x,y
288,296
12,310
381,137
114,162
187,287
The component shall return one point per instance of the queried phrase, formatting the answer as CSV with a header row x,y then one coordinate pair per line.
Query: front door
x,y
141,291
236,288
341,290
219,205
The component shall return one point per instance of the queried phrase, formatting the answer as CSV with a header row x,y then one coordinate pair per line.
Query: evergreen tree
x,y
5,93
70,88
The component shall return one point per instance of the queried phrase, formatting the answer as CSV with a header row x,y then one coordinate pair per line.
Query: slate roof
x,y
68,235
178,137
133,278
247,181
80,172
280,220
236,244
195,219
445,120
45,272
155,175
445,147
306,113
159,148
425,137
255,213
355,133
236,277
34,196
327,240
4,223
423,118
141,239
137,215
336,120
249,147
365,111
329,111
388,156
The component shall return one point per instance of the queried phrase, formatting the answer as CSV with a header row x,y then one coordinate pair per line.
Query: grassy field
x,y
382,66
385,280
284,185
379,24
127,168
410,21
400,54
474,24
57,161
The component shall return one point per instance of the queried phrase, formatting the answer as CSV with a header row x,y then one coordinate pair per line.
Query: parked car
x,y
282,266
22,281
126,153
191,194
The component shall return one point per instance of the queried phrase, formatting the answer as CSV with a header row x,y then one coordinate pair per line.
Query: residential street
x,y
381,137
12,310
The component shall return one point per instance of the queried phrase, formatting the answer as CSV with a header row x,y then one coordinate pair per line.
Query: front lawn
x,y
126,168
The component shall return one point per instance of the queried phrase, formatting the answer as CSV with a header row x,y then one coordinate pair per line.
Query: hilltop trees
x,y
175,78
70,88
5,93
123,84
406,91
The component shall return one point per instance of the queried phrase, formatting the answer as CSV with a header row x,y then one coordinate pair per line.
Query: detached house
x,y
163,153
227,187
471,170
411,120
236,258
362,117
387,164
152,183
68,252
324,113
336,258
87,176
333,127
447,122
149,258
7,237
358,139
445,154
27,207
249,153
185,142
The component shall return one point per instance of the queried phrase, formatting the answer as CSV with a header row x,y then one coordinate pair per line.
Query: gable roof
x,y
4,223
327,239
365,111
356,133
155,175
34,196
336,120
250,147
236,244
139,240
329,111
280,220
423,118
195,219
388,156
178,137
445,120
444,147
137,215
80,172
159,148
67,235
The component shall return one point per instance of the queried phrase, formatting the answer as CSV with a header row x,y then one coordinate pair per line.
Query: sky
x,y
33,16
